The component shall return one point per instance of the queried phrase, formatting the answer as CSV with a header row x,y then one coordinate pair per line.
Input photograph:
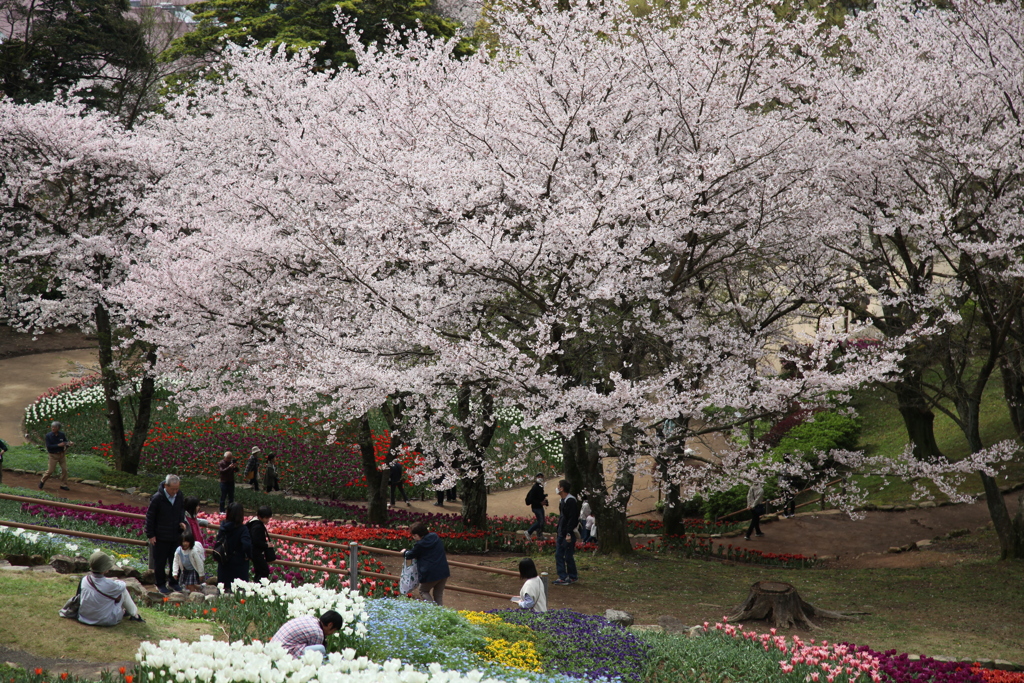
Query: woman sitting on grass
x,y
532,595
103,601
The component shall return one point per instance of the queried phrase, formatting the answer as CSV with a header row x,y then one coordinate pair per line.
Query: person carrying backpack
x,y
537,499
234,547
3,449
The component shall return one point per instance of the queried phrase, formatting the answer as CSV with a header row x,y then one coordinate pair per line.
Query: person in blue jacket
x,y
237,546
431,562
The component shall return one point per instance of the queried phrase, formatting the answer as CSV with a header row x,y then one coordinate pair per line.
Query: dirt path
x,y
23,378
75,667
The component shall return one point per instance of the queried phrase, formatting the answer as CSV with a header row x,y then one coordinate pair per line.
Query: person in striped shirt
x,y
305,634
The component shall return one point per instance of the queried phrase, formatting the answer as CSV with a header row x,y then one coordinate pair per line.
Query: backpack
x,y
269,553
220,553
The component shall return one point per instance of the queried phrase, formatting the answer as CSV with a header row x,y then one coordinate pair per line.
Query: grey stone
x,y
1004,665
617,616
44,569
116,573
154,598
885,508
15,568
196,597
81,564
176,598
895,549
927,504
211,590
63,564
135,589
695,631
957,533
148,577
671,624
91,482
211,598
914,658
17,559
36,559
923,544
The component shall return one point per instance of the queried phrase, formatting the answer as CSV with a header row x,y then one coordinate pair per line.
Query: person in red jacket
x,y
227,468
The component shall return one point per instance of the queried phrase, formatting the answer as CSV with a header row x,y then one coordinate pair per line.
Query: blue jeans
x,y
227,492
537,526
565,562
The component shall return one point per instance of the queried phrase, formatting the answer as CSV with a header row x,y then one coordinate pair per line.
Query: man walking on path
x,y
395,475
56,446
227,470
755,501
565,543
537,499
165,521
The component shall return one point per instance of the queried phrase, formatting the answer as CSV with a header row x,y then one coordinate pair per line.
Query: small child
x,y
188,567
532,595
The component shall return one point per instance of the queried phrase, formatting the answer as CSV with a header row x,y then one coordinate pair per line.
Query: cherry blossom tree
x,y
69,180
608,223
924,115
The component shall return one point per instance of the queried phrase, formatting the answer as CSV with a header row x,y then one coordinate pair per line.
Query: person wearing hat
x,y
252,469
103,601
56,446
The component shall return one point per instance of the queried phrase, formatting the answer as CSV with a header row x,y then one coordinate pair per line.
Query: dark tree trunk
x,y
140,431
1012,370
918,419
474,483
584,472
781,606
123,461
672,517
376,480
1009,530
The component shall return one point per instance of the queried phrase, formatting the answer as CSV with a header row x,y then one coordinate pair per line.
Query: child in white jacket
x,y
188,567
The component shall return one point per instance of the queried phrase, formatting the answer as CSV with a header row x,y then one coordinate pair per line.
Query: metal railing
x,y
352,548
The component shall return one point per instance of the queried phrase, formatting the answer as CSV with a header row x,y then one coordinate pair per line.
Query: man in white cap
x,y
56,446
252,469
103,601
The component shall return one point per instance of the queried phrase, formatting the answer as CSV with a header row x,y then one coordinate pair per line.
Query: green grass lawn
x,y
30,602
34,458
968,609
884,434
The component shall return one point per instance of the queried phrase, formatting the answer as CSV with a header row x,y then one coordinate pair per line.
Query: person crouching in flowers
x,y
188,567
103,601
431,562
308,634
532,595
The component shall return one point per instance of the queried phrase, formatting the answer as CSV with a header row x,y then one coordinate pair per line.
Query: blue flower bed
x,y
585,646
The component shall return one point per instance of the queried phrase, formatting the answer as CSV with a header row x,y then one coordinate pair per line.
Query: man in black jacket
x,y
565,543
537,499
396,474
261,553
165,521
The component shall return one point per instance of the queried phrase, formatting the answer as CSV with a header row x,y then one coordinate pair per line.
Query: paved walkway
x,y
23,378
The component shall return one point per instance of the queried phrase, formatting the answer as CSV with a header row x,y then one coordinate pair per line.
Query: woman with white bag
x,y
431,561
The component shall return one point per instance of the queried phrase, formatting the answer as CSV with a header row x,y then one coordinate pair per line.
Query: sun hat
x,y
255,449
100,562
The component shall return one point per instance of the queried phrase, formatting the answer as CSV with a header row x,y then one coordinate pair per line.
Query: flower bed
x,y
135,527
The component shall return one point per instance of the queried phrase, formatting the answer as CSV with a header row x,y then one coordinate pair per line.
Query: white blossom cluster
x,y
210,660
311,599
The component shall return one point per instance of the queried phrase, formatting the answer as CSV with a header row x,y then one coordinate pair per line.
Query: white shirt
x,y
102,602
535,588
195,557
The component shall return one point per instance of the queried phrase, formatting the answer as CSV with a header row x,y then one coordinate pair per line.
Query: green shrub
x,y
828,430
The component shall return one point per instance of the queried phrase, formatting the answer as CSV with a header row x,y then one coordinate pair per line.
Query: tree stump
x,y
780,605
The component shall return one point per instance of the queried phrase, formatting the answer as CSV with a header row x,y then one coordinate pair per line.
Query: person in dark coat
x,y
165,520
261,552
270,480
395,476
431,561
537,499
565,542
237,547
